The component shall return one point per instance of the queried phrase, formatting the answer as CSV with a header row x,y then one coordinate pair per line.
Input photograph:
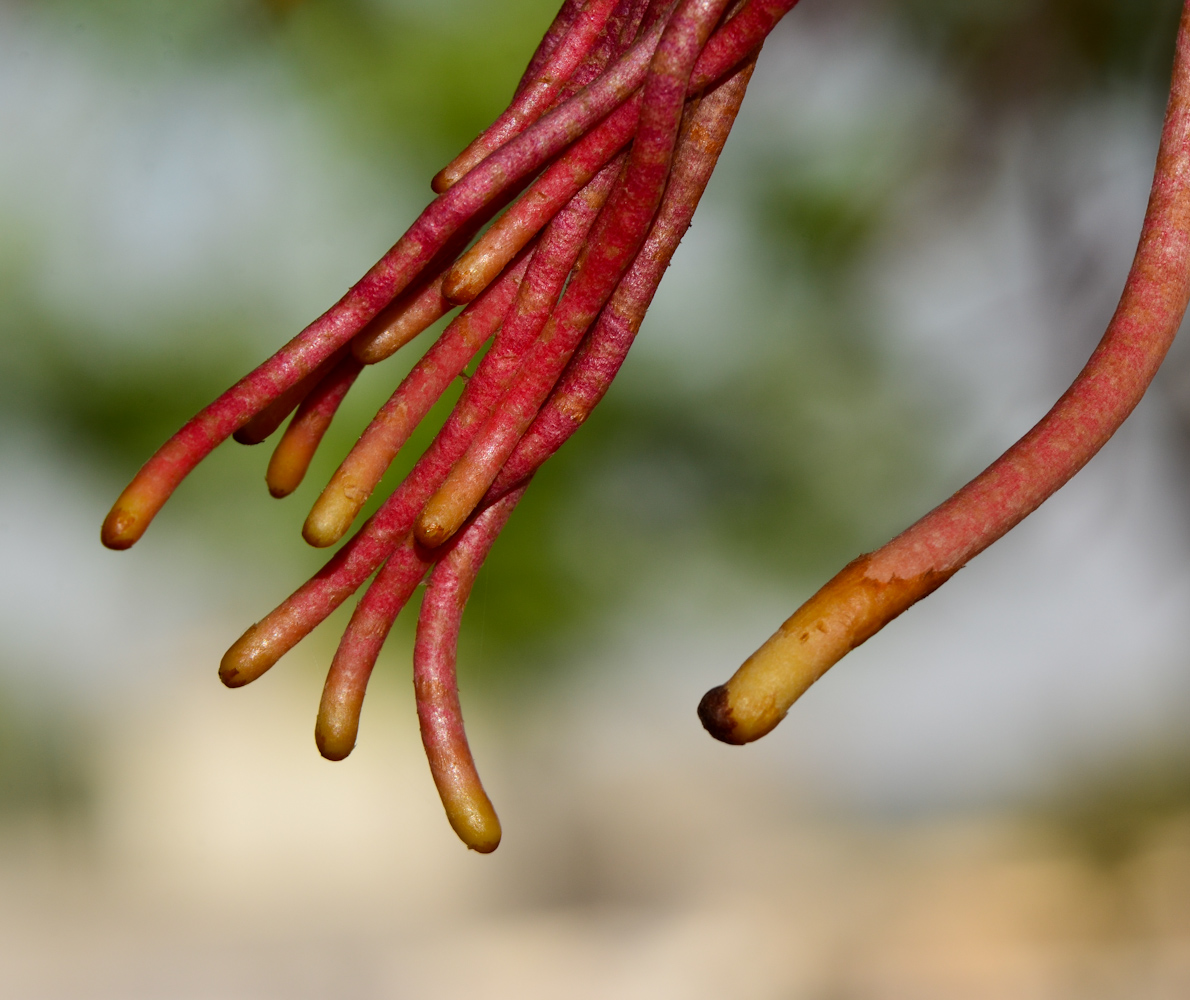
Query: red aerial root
x,y
596,363
549,41
533,98
402,320
274,415
740,37
618,235
347,681
876,588
435,682
608,73
266,642
392,274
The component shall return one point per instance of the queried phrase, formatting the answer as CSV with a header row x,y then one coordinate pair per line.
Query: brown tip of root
x,y
714,711
485,844
337,726
849,609
250,656
288,466
333,745
475,823
442,181
247,436
370,352
121,530
323,528
432,534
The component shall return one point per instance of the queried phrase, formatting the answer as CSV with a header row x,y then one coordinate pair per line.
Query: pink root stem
x,y
337,727
617,236
735,41
442,220
152,486
388,529
537,96
546,274
263,644
595,365
549,41
435,681
875,588
274,415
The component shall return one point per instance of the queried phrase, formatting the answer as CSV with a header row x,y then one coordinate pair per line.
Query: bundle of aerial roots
x,y
552,231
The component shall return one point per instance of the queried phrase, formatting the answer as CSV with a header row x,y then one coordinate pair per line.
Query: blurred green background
x,y
911,244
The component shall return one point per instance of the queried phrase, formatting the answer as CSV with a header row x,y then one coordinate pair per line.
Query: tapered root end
x,y
400,323
288,466
848,610
284,479
328,521
448,509
232,672
332,742
460,166
124,524
120,530
250,435
432,533
477,269
715,713
371,352
475,822
337,727
251,655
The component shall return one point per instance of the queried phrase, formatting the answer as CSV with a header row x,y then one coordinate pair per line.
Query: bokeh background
x,y
915,237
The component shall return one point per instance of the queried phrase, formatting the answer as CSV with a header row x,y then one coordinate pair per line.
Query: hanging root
x,y
595,365
436,686
535,95
347,681
874,589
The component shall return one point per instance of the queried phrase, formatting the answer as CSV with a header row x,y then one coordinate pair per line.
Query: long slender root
x,y
595,365
468,808
536,95
618,234
876,588
347,681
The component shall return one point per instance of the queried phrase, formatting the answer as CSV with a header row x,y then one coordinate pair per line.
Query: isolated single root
x,y
435,683
875,588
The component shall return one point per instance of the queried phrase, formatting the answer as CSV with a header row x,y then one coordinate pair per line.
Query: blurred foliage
x,y
1010,52
43,758
399,80
1109,815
